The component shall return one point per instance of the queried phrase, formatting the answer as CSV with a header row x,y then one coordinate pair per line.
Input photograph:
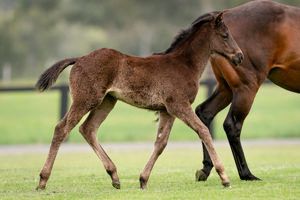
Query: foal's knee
x,y
160,145
205,135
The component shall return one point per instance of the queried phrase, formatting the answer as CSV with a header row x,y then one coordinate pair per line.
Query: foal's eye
x,y
225,36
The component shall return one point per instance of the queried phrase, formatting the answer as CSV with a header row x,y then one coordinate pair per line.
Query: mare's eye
x,y
225,36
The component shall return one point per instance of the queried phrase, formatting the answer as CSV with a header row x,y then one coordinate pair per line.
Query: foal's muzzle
x,y
237,59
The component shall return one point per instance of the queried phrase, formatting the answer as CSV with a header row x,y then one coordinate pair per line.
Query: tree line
x,y
35,34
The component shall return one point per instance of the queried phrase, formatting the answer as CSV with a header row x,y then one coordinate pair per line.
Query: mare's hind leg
x,y
89,131
206,112
185,113
165,125
287,77
62,130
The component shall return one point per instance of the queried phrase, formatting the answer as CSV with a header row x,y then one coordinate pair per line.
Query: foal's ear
x,y
218,20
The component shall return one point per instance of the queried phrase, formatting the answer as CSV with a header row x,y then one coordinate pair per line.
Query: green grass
x,y
30,117
82,176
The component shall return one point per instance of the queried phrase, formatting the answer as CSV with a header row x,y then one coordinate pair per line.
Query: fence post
x,y
210,84
64,90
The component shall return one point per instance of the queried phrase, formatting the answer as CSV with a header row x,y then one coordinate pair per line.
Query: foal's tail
x,y
48,78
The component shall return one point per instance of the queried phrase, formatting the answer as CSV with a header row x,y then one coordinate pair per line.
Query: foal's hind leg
x,y
165,125
89,131
61,132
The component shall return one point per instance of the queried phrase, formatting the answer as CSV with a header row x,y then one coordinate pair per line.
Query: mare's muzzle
x,y
237,59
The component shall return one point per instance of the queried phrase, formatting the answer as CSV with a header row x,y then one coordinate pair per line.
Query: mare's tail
x,y
48,78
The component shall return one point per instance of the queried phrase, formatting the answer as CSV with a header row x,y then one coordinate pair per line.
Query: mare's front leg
x,y
240,107
185,112
61,132
89,131
165,125
206,112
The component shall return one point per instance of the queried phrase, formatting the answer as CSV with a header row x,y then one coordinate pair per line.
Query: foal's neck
x,y
197,50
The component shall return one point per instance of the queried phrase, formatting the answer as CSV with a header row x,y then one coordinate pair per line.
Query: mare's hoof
x,y
116,185
200,175
227,185
251,177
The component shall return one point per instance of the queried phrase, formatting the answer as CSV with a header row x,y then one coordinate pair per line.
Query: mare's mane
x,y
186,33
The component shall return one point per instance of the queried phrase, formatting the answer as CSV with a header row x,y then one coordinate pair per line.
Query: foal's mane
x,y
186,33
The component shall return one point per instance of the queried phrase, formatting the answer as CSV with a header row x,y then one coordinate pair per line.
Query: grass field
x,y
30,117
82,176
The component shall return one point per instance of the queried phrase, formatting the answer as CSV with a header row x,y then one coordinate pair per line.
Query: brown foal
x,y
166,83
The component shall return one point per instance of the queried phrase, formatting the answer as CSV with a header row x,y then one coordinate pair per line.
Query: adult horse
x,y
269,35
166,83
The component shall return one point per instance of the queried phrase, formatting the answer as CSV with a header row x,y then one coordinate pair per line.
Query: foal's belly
x,y
140,99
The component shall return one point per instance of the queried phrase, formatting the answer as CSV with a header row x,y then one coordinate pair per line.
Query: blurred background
x,y
36,34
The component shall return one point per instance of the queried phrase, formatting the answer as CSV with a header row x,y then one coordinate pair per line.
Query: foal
x,y
165,83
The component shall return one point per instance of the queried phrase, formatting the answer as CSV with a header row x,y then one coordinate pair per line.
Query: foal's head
x,y
222,42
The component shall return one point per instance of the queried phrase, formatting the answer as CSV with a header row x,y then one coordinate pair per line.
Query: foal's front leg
x,y
186,114
206,112
165,125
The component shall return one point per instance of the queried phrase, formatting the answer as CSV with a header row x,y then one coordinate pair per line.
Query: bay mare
x,y
269,35
165,83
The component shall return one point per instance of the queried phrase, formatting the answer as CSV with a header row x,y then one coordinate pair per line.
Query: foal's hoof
x,y
143,182
116,185
227,185
40,187
200,175
143,185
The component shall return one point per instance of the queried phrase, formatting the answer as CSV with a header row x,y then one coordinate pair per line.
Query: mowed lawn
x,y
81,175
30,117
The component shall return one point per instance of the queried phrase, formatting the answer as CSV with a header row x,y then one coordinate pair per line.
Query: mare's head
x,y
222,42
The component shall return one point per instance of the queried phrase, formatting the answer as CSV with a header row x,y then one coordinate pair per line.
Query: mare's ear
x,y
218,20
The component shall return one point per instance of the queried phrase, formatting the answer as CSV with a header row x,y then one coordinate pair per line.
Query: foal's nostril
x,y
237,59
241,57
